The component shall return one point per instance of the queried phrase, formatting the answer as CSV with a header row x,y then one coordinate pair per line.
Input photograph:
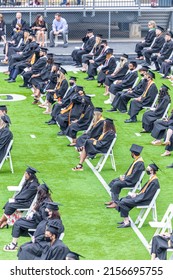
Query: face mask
x,y
46,213
148,172
58,75
47,239
71,84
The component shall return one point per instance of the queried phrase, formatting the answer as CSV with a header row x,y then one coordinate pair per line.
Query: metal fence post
x,y
93,12
45,8
30,18
139,8
109,26
84,8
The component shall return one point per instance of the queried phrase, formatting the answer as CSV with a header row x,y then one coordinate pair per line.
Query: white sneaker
x,y
107,101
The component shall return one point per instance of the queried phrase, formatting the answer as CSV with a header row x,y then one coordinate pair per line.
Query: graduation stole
x,y
100,138
101,119
139,158
147,184
67,109
33,59
148,86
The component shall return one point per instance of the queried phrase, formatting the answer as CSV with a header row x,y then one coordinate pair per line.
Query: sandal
x,y
79,167
71,145
11,247
4,224
166,154
166,143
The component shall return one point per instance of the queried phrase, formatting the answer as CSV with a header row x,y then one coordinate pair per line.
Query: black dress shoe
x,y
169,166
8,79
120,223
51,122
11,81
60,133
124,225
22,86
130,121
144,131
123,111
111,110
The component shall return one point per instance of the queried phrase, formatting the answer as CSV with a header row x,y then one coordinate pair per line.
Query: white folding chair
x,y
17,189
57,37
145,209
137,185
27,211
165,114
8,156
134,84
105,156
153,104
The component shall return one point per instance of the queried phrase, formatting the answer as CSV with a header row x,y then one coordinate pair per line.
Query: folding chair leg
x,y
154,213
11,163
99,163
102,163
139,216
113,161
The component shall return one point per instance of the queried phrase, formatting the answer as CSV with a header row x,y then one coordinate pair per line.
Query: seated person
x,y
160,244
34,248
5,135
16,21
122,97
2,29
118,73
130,178
149,117
151,34
168,142
165,68
39,28
146,99
144,197
87,46
94,130
59,26
126,82
23,198
107,68
37,214
3,112
101,145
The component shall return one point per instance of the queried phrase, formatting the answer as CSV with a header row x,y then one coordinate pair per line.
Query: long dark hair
x,y
109,126
55,215
37,19
32,177
163,92
41,196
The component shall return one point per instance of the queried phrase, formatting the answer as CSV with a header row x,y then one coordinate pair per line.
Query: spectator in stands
x,y
87,46
130,178
2,29
5,135
126,82
16,21
118,74
160,244
144,197
165,51
146,99
101,145
59,26
34,248
156,45
39,28
151,34
23,198
149,117
31,221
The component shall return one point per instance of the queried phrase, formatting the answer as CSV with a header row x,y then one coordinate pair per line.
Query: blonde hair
x,y
153,23
1,16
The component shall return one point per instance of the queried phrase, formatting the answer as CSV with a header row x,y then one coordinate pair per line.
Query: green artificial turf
x,y
90,228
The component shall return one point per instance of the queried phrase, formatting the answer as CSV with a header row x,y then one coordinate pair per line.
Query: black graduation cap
x,y
5,119
43,49
3,107
63,70
169,33
54,229
50,54
134,63
73,78
154,166
165,86
99,35
125,55
45,187
52,206
136,148
90,30
144,68
31,170
78,88
73,256
56,63
160,28
104,41
109,120
98,109
151,74
109,51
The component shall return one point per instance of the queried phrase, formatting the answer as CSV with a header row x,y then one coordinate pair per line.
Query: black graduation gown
x,y
5,137
160,127
149,117
44,76
24,198
94,132
126,83
137,106
129,181
30,250
151,34
118,76
127,203
155,48
74,114
95,53
160,246
21,226
87,47
101,146
122,97
107,69
99,60
57,251
35,69
62,90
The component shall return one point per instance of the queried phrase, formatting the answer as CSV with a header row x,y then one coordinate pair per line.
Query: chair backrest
x,y
135,82
165,114
7,153
138,184
31,206
154,102
111,146
166,222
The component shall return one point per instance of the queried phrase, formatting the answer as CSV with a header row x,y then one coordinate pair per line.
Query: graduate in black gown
x,y
144,197
101,145
23,198
149,117
146,99
107,68
3,112
31,221
94,130
160,244
168,142
130,178
73,256
5,135
82,123
34,248
55,249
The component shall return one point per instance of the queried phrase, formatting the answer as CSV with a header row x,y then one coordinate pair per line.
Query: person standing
x,y
2,28
59,26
